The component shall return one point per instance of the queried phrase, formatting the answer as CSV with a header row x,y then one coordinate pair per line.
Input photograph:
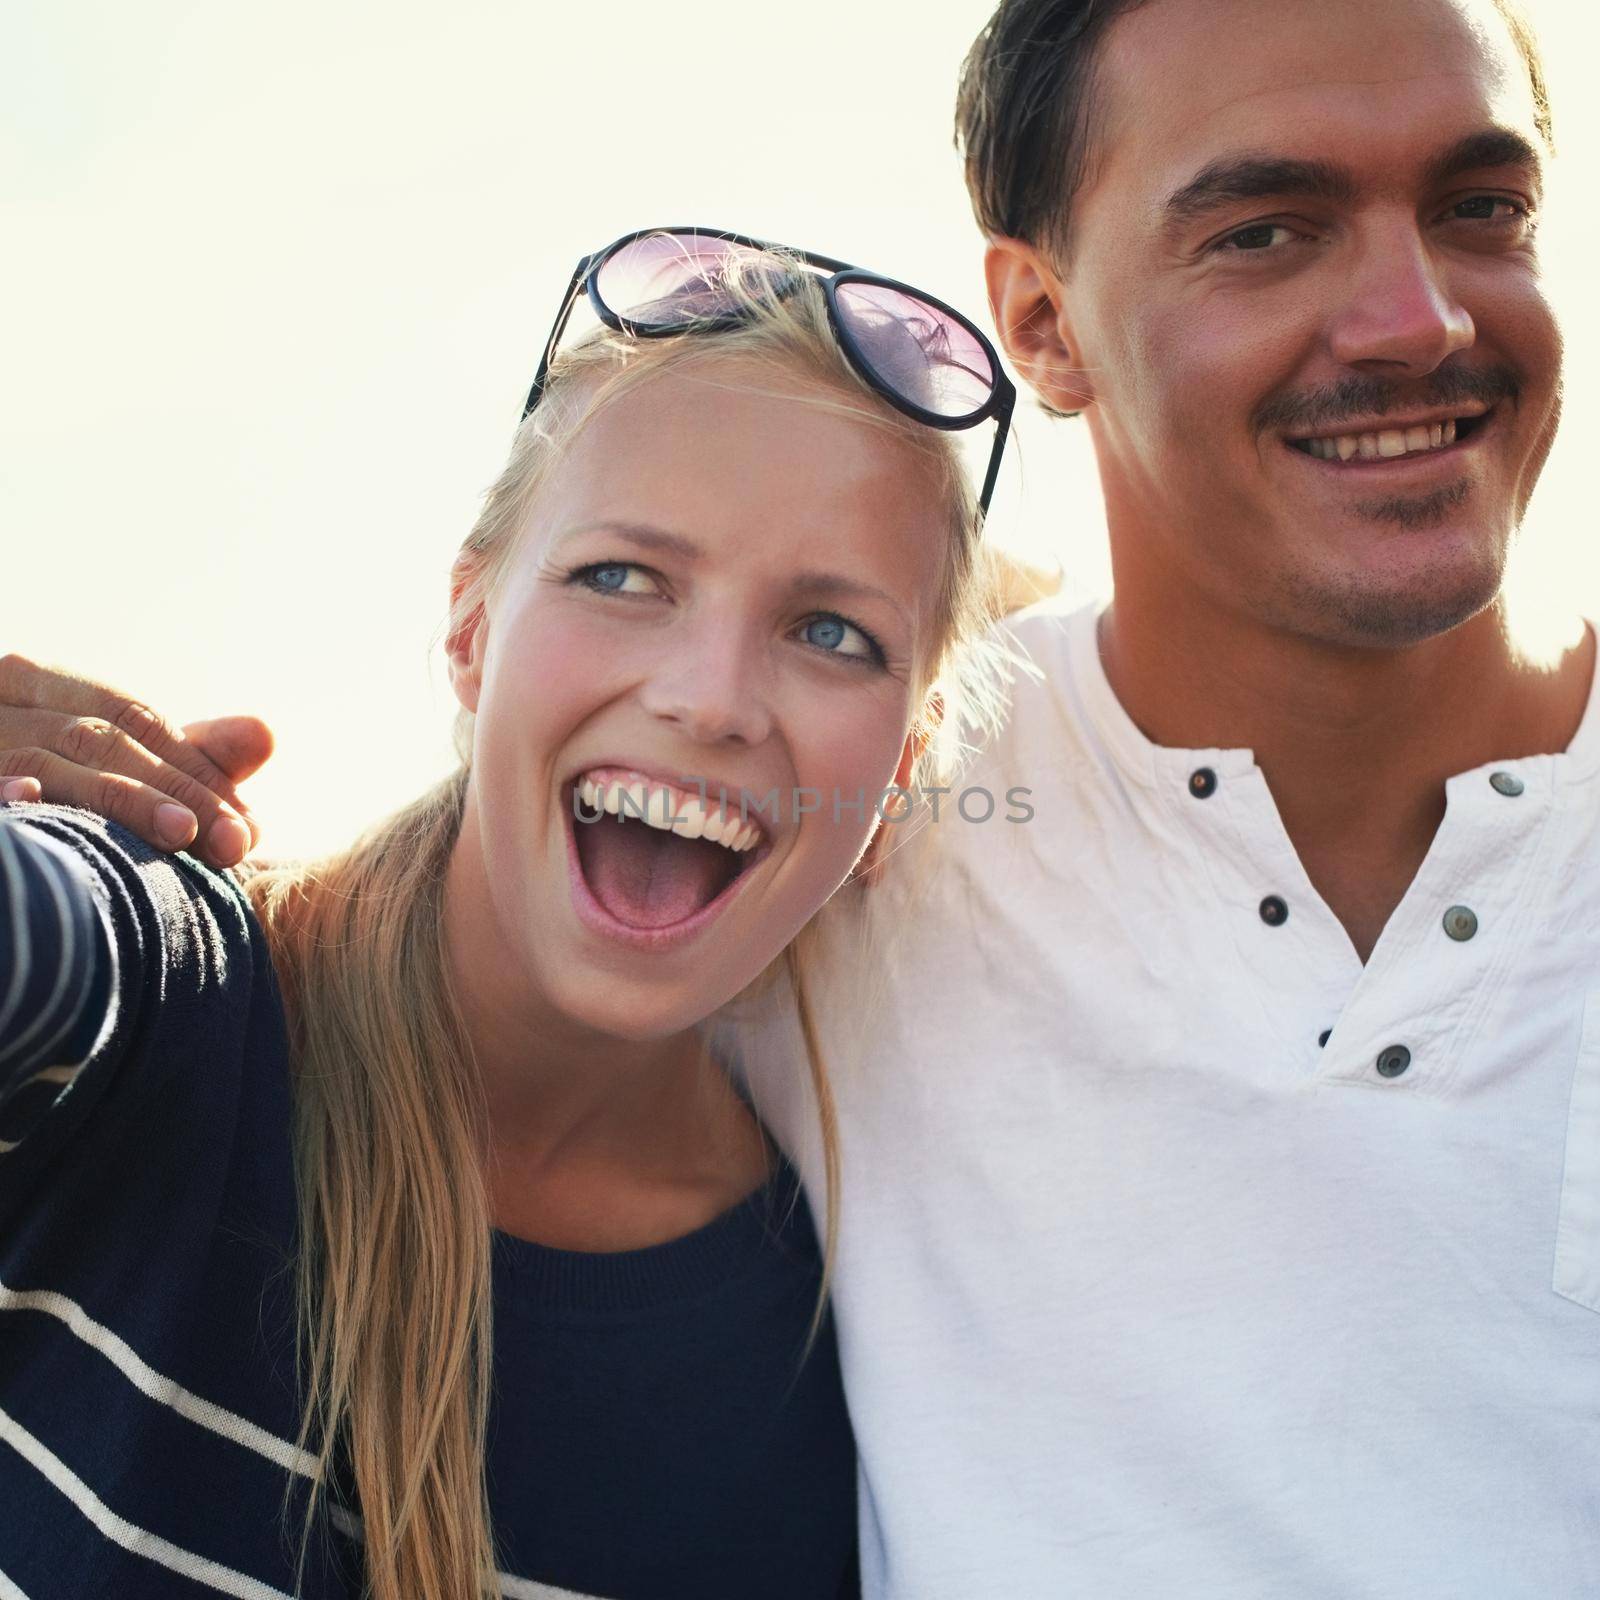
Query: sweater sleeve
x,y
57,972
122,969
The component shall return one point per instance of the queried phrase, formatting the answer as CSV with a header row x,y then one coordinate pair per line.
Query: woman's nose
x,y
712,688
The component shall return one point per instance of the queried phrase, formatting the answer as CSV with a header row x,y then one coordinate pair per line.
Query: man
x,y
1221,1157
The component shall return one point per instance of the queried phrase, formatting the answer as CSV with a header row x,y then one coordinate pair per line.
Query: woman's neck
x,y
592,1141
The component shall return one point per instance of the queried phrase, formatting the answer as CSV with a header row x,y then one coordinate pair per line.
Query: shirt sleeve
x,y
57,972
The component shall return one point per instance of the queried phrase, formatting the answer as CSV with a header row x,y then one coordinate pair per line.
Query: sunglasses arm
x,y
1002,423
568,300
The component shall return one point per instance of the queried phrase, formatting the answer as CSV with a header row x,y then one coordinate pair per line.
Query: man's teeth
x,y
671,810
1390,442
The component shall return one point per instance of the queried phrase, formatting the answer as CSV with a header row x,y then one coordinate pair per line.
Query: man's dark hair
x,y
1026,106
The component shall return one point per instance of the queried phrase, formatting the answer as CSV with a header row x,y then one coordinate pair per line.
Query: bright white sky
x,y
276,278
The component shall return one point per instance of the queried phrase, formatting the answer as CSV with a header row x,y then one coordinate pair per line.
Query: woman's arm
x,y
56,970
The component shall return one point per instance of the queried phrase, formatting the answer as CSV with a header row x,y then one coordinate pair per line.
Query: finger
x,y
238,746
221,837
142,809
21,789
27,684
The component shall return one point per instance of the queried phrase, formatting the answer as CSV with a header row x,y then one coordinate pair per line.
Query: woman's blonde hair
x,y
394,1285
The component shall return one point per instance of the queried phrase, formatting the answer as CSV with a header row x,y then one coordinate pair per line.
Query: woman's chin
x,y
645,1012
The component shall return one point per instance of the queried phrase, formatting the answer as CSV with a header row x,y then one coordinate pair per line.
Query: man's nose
x,y
1400,316
711,684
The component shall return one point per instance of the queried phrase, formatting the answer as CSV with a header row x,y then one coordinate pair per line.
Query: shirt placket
x,y
1404,1019
1447,949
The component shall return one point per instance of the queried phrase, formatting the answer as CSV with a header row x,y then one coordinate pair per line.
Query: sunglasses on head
x,y
922,356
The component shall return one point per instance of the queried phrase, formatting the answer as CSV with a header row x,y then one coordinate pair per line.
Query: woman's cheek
x,y
553,666
855,758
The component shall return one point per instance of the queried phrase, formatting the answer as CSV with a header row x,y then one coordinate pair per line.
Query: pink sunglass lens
x,y
917,350
665,279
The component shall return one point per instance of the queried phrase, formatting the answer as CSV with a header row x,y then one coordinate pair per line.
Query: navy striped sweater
x,y
652,1433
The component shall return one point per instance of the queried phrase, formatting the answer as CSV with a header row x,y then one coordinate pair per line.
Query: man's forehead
x,y
1381,85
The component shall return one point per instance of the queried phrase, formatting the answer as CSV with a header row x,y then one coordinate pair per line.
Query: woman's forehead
x,y
732,453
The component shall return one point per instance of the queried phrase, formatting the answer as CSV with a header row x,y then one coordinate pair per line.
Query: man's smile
x,y
1407,449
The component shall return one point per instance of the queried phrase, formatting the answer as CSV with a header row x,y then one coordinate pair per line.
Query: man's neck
x,y
1355,744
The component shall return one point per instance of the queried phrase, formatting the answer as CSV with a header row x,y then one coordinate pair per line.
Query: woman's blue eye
x,y
610,577
827,632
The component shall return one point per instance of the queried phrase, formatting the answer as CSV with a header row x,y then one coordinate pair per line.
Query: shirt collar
x,y
1158,766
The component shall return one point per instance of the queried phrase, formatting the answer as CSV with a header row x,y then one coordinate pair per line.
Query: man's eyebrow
x,y
1248,176
639,533
1489,147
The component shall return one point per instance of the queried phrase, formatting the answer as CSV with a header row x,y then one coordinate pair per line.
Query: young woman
x,y
382,1226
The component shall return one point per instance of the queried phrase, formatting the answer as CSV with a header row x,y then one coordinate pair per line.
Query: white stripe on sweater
x,y
49,1075
69,953
9,1590
139,1541
217,1419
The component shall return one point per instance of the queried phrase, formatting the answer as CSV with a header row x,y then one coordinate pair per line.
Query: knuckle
x,y
27,762
16,671
111,797
186,791
88,741
139,722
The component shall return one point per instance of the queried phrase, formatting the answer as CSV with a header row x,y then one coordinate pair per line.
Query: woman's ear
x,y
868,869
468,631
1028,303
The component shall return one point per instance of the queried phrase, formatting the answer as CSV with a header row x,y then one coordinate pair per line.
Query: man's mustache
x,y
1359,398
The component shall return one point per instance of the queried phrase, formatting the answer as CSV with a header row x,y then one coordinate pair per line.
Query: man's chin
x,y
1389,612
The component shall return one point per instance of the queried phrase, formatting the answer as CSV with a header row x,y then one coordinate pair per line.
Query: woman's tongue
x,y
646,877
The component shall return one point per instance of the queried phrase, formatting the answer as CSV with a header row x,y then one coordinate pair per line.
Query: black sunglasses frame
x,y
1002,397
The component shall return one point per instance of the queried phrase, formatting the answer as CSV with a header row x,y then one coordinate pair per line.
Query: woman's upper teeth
x,y
1384,442
671,809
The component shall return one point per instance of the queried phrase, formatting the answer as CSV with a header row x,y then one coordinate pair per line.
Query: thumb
x,y
237,746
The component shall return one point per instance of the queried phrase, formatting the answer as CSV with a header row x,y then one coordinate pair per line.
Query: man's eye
x,y
1254,240
1485,204
828,633
612,577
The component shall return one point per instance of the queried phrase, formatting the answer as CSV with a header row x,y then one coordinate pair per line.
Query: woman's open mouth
x,y
652,865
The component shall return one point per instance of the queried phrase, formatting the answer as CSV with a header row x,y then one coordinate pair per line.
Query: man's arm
x,y
73,741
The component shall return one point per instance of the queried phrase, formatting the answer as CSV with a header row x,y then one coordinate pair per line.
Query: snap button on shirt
x,y
1461,922
1506,783
1202,783
1274,911
1393,1061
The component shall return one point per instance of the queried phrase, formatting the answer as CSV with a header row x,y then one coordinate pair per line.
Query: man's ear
x,y
464,642
1028,303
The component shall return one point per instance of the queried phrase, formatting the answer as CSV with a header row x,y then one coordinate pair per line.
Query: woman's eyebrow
x,y
1252,176
640,533
653,538
834,583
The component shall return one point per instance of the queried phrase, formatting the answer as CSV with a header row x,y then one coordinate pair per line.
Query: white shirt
x,y
1144,1293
